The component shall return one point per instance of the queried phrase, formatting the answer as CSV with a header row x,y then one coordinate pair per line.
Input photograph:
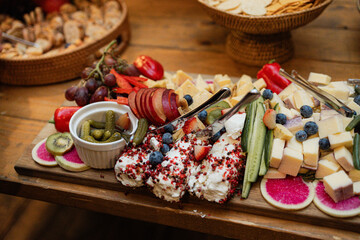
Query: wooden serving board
x,y
255,204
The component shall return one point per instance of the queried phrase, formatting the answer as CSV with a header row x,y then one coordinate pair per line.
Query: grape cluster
x,y
97,82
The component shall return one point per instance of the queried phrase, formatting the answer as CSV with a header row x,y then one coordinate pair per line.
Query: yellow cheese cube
x,y
244,79
354,175
282,132
340,139
199,98
260,84
276,100
221,81
201,84
289,90
311,151
294,144
273,173
339,186
180,77
344,157
330,157
328,113
291,162
319,79
330,125
277,152
356,187
189,88
326,167
244,89
302,98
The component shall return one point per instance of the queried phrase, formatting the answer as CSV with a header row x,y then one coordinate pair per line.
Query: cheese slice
x,y
291,162
273,173
188,87
277,152
282,132
330,126
301,98
311,151
325,168
340,139
344,157
319,79
339,186
289,90
260,84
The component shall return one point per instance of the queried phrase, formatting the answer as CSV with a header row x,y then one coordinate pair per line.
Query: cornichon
x,y
97,133
85,129
106,135
353,123
110,121
140,131
96,124
356,151
116,136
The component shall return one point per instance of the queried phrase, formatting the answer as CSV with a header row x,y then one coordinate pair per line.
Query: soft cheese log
x,y
339,186
344,157
326,167
291,162
311,151
277,152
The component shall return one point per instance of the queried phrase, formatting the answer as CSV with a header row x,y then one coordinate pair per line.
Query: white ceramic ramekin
x,y
99,155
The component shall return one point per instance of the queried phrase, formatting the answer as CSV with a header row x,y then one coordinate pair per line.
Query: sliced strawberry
x,y
190,125
123,121
132,104
269,118
201,152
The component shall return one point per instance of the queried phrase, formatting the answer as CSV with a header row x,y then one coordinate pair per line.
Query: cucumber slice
x,y
263,169
249,121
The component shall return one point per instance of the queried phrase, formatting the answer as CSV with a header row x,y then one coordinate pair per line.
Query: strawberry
x,y
123,122
201,152
190,125
269,119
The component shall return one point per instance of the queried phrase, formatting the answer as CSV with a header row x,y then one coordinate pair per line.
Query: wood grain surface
x,y
181,36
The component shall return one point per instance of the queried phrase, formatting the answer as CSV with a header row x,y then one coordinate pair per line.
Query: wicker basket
x,y
64,66
254,40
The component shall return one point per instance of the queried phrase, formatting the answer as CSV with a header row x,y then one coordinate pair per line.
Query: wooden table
x,y
181,36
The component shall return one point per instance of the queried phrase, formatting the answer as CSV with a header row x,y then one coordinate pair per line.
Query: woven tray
x,y
63,66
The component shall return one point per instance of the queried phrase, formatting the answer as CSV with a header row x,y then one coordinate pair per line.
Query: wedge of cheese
x,y
319,78
291,162
340,139
282,132
311,151
273,173
339,186
326,167
331,125
221,81
180,77
199,98
344,157
188,87
277,152
260,84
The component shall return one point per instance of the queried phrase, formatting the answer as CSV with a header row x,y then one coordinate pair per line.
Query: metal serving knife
x,y
321,95
219,124
219,95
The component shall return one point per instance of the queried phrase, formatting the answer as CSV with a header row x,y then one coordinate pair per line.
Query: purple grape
x,y
110,80
131,70
82,96
70,93
91,85
109,61
99,94
86,72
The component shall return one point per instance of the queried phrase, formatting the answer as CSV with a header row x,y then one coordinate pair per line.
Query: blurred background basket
x,y
63,66
254,40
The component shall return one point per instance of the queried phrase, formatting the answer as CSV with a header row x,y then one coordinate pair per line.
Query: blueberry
x,y
357,99
311,128
167,138
281,118
169,128
165,148
324,144
306,111
156,158
202,115
189,99
267,94
301,135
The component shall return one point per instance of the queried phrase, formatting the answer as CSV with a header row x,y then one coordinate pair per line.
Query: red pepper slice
x,y
149,67
139,79
122,100
120,80
136,89
123,90
62,117
270,73
109,99
132,81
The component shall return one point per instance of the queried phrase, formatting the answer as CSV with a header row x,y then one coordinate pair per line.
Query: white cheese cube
x,y
354,106
327,113
356,187
340,139
294,144
277,152
282,132
201,84
260,84
329,126
295,112
344,157
311,151
287,112
291,162
338,90
326,167
289,90
294,124
200,98
273,173
319,78
276,100
302,98
339,186
346,122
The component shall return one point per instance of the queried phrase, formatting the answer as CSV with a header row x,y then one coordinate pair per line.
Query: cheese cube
x,y
273,173
330,126
282,132
291,162
244,79
170,84
294,144
328,113
235,100
305,120
354,106
211,88
199,98
356,188
339,90
180,77
244,89
294,124
276,100
311,151
326,167
309,167
346,122
289,102
316,117
339,186
277,152
354,175
180,92
189,88
330,157
289,90
303,170
319,79
302,98
154,144
344,157
221,81
295,113
340,139
260,84
201,84
287,112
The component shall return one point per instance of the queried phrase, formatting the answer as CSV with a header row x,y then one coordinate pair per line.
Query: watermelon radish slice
x,y
42,156
290,193
71,161
346,208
